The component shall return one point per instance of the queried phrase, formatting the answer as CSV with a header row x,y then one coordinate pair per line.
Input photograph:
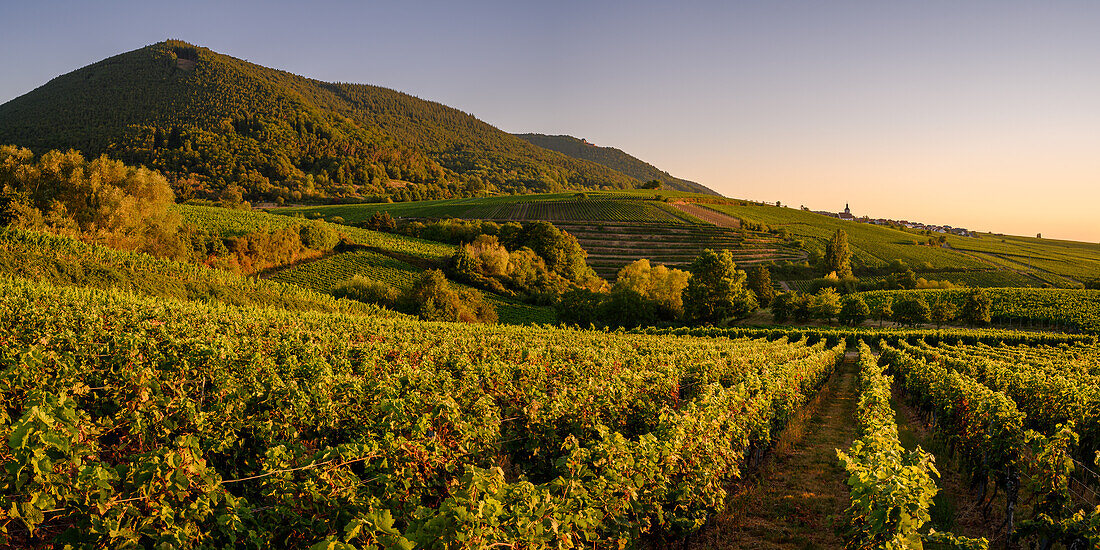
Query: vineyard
x,y
553,208
324,274
872,246
139,421
64,261
615,228
156,403
611,246
1066,309
985,260
1021,422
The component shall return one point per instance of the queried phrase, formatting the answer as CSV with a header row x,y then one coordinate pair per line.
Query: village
x,y
847,215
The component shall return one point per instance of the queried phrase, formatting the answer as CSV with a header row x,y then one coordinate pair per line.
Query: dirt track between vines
x,y
799,495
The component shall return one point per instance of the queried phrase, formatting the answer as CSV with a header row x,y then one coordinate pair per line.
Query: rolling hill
x,y
219,126
984,260
616,159
615,228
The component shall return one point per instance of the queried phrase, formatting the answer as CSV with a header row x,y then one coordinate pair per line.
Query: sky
x,y
978,114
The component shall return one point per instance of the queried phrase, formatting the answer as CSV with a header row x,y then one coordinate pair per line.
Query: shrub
x,y
433,299
318,236
826,304
660,286
366,290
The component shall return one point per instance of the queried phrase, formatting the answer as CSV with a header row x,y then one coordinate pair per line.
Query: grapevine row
x,y
891,488
134,421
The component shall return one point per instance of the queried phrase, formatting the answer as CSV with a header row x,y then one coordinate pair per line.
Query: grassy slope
x,y
872,246
326,273
226,222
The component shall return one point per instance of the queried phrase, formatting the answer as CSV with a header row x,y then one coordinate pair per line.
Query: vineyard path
x,y
799,495
707,215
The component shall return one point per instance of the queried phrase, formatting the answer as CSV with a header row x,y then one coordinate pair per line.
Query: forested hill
x,y
615,159
217,125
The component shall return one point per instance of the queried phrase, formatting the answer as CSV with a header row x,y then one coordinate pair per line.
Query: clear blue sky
x,y
976,114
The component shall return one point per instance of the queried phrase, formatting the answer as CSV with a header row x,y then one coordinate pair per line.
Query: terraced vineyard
x,y
614,228
611,246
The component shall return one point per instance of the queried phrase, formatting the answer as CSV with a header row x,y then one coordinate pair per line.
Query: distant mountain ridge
x,y
613,158
219,126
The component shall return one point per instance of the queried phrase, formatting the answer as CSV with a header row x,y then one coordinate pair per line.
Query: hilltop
x,y
223,128
616,159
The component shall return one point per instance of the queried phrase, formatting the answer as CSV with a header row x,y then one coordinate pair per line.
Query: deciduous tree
x,y
760,282
716,292
854,310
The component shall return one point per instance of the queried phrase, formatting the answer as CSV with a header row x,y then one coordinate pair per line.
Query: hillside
x,y
212,122
985,260
67,262
616,159
615,228
396,260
